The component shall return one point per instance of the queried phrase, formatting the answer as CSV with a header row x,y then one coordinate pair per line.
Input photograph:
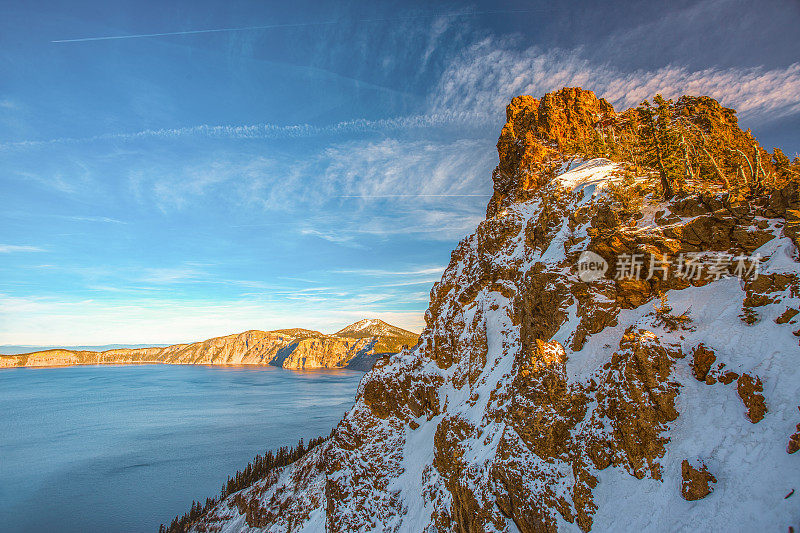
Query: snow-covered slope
x,y
374,327
540,401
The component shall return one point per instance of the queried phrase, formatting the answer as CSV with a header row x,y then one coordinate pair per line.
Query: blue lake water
x,y
125,448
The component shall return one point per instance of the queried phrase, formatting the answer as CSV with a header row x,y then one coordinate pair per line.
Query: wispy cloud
x,y
75,218
409,196
103,220
420,271
191,32
426,281
337,238
705,33
346,192
54,321
13,248
475,86
393,168
173,275
421,189
417,222
493,71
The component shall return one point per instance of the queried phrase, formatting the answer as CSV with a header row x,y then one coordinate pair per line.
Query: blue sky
x,y
317,169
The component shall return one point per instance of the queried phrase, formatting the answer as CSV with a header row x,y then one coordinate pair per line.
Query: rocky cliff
x,y
614,348
296,348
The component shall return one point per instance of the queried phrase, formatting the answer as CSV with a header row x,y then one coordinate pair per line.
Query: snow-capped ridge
x,y
374,326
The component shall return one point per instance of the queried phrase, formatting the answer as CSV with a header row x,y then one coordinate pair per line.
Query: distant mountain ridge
x,y
17,349
374,327
357,347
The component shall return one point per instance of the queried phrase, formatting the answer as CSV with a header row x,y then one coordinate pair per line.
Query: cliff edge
x,y
613,349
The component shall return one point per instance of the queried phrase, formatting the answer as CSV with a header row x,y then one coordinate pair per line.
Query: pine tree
x,y
257,469
661,142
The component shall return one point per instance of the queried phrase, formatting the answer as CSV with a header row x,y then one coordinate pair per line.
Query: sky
x,y
173,171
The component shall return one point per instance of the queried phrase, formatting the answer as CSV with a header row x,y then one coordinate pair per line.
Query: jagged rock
x,y
786,316
637,399
534,130
750,390
405,399
702,359
696,482
597,309
794,440
766,288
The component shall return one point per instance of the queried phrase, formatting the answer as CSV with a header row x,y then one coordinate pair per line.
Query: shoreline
x,y
167,363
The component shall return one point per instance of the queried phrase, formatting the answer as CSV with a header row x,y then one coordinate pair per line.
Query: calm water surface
x,y
125,448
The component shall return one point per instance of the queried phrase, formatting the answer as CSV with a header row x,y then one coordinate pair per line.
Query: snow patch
x,y
590,176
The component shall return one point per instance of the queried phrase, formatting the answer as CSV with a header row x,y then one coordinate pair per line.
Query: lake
x,y
125,448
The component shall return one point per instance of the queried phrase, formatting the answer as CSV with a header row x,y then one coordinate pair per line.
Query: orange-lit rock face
x,y
534,138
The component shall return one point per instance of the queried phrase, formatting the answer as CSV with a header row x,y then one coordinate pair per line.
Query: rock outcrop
x,y
696,482
794,440
539,399
297,349
750,390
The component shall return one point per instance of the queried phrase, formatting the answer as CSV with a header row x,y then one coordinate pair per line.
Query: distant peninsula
x,y
356,347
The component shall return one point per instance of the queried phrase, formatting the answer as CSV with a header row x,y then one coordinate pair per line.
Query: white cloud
x,y
474,88
105,220
13,248
173,275
452,223
431,190
407,168
346,192
51,321
345,239
420,271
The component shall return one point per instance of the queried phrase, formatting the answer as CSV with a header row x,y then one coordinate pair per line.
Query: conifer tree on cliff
x,y
661,145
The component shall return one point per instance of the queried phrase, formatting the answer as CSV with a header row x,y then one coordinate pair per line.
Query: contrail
x,y
275,26
274,131
190,32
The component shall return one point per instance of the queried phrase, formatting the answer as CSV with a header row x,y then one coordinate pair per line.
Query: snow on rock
x,y
592,175
535,401
374,327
